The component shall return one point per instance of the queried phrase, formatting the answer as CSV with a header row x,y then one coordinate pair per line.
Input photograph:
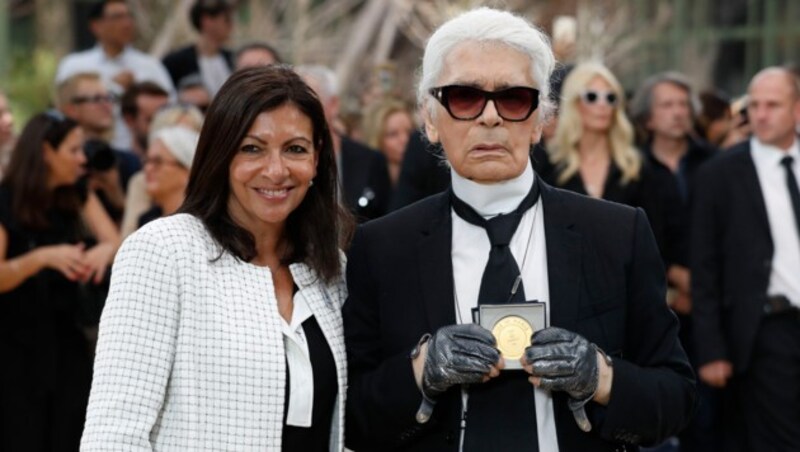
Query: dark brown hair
x,y
315,228
98,9
207,8
27,172
127,103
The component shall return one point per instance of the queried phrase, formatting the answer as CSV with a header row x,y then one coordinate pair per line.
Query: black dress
x,y
648,192
44,355
316,437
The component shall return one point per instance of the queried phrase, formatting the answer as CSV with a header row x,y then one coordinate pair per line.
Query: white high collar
x,y
493,199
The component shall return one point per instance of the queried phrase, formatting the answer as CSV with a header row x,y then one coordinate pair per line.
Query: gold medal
x,y
513,335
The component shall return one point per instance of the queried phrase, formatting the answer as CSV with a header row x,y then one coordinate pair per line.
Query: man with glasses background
x,y
607,369
84,98
114,58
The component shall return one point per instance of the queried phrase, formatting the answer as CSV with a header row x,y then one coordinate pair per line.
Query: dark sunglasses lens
x,y
464,102
516,104
591,97
611,98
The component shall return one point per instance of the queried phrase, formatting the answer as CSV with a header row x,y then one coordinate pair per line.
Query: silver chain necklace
x,y
517,281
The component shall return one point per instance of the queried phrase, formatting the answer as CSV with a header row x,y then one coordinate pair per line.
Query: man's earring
x,y
311,183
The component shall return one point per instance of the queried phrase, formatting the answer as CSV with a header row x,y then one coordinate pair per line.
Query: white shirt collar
x,y
771,156
494,199
104,57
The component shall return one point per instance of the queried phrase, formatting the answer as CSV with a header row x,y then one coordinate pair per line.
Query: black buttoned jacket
x,y
606,282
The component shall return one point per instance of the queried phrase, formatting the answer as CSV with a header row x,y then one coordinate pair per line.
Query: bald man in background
x,y
746,271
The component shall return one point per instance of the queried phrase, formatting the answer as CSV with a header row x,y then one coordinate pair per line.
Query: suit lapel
x,y
436,265
747,177
564,270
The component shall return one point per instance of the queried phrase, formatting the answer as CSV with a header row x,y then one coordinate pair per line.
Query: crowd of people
x,y
283,285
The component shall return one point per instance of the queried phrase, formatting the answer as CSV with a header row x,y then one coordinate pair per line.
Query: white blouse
x,y
191,352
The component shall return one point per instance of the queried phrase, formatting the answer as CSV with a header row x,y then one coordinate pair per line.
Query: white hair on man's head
x,y
323,76
487,25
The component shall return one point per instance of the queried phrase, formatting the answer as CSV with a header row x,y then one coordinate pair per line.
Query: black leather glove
x,y
565,361
458,354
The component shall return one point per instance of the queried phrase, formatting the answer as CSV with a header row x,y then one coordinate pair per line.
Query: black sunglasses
x,y
592,97
466,103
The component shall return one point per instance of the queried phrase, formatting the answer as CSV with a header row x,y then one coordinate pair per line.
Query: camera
x,y
99,155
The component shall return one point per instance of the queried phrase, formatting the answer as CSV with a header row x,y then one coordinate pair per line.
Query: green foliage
x,y
30,83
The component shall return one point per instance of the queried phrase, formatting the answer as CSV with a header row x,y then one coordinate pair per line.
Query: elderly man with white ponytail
x,y
505,314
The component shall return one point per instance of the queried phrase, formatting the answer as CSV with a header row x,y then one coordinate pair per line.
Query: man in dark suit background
x,y
607,373
745,266
366,187
207,57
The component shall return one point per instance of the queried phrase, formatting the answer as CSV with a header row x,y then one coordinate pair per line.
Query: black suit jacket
x,y
676,200
183,62
731,257
366,186
648,192
606,283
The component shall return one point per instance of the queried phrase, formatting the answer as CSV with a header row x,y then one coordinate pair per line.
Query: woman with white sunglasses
x,y
592,151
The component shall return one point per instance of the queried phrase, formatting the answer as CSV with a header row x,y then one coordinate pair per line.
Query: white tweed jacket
x,y
190,354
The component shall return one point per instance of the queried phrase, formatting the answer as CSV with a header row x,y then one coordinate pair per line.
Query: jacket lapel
x,y
748,180
564,270
436,266
325,302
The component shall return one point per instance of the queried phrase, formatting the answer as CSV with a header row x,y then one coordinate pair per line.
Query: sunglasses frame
x,y
604,95
441,93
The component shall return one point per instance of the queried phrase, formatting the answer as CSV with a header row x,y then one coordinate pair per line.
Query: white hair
x,y
486,25
325,79
180,141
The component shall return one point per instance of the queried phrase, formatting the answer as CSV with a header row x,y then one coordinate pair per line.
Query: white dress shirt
x,y
141,65
470,252
214,71
301,374
784,279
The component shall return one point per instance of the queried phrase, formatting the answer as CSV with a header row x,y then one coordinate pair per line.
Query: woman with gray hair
x,y
166,170
487,317
137,201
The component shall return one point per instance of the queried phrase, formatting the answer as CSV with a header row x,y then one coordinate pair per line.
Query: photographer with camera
x,y
84,98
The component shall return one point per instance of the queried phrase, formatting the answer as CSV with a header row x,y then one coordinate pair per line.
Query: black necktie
x,y
794,192
501,272
501,414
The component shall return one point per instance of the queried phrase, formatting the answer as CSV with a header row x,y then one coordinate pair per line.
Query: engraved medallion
x,y
512,326
513,335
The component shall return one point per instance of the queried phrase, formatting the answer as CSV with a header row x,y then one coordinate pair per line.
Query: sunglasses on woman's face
x,y
466,103
592,97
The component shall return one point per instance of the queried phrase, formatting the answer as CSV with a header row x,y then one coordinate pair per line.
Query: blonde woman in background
x,y
592,151
387,127
138,201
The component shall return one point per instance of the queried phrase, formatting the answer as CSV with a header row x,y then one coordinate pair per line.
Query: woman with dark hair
x,y
46,220
222,329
